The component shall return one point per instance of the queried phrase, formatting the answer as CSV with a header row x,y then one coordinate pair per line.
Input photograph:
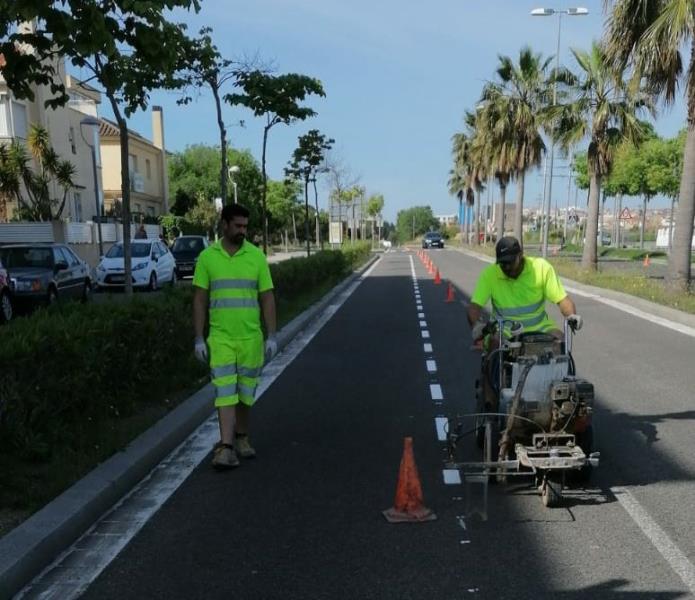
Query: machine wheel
x,y
491,445
153,282
479,421
551,491
86,292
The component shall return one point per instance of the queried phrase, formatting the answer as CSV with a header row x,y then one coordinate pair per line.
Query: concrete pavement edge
x,y
37,542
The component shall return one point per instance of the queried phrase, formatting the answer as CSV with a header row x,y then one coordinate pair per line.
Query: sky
x,y
397,75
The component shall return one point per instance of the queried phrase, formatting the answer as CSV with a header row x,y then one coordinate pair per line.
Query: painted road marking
x,y
423,323
441,424
658,537
421,315
451,476
436,391
425,334
427,347
431,366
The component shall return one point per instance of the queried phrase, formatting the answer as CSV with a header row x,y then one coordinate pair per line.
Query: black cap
x,y
507,249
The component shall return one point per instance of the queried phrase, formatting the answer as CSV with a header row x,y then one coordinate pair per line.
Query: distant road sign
x,y
625,214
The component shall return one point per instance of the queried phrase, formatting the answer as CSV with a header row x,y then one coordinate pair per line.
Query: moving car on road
x,y
5,296
40,274
152,265
186,250
433,239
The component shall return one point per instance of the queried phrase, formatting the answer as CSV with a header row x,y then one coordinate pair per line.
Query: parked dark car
x,y
186,250
6,311
40,274
433,239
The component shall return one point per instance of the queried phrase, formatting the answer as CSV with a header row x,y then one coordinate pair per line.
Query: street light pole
x,y
233,170
93,122
547,203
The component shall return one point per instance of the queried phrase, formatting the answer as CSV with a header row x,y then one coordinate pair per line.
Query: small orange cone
x,y
408,507
449,293
437,278
646,262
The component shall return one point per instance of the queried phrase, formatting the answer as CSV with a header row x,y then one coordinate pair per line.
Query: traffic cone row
x,y
434,270
646,261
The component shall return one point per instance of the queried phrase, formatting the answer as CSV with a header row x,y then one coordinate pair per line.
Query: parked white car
x,y
153,265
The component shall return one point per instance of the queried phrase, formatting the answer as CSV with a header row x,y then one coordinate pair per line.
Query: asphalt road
x,y
304,519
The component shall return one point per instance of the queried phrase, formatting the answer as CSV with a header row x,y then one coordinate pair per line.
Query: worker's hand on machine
x,y
575,322
201,350
478,331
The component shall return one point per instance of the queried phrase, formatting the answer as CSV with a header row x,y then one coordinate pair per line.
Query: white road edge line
x,y
440,424
657,536
427,347
436,391
431,366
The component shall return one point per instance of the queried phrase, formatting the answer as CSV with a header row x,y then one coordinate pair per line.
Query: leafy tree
x,y
128,47
650,36
195,171
283,203
375,205
415,221
17,178
602,107
277,98
306,160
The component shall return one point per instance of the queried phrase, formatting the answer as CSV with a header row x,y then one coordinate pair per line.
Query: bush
x,y
70,368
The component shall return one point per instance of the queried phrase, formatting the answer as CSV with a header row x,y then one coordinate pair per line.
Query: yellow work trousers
x,y
236,366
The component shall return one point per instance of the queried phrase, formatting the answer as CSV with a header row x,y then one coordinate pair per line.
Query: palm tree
x,y
459,176
522,91
494,145
649,35
602,107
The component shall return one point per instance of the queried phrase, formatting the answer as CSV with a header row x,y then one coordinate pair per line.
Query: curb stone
x,y
34,544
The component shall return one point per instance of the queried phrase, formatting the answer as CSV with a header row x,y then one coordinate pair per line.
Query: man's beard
x,y
238,239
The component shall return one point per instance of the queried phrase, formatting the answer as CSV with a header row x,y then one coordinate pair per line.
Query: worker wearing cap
x,y
232,287
518,287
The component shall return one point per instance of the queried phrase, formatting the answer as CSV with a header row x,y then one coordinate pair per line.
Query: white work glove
x,y
478,330
271,348
201,350
575,322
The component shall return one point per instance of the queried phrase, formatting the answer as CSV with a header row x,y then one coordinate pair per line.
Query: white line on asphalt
x,y
423,323
431,366
425,334
427,347
451,476
419,306
421,315
440,424
436,391
658,537
159,484
636,312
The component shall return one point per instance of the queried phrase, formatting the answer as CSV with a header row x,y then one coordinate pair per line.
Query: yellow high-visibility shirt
x,y
522,299
234,282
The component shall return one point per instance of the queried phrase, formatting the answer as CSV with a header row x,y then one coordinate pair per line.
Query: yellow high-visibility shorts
x,y
235,366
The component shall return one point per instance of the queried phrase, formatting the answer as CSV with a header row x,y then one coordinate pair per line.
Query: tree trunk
x,y
125,193
678,274
519,213
224,175
306,217
319,242
500,216
462,219
619,229
477,218
643,220
264,217
670,226
294,229
590,254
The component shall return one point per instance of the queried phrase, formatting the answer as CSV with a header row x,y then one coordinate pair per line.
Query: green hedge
x,y
70,368
73,366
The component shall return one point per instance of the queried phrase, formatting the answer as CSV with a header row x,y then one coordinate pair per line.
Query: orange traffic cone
x,y
449,293
437,278
646,262
408,507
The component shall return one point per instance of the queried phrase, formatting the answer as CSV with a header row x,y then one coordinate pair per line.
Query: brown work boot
x,y
242,446
224,457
